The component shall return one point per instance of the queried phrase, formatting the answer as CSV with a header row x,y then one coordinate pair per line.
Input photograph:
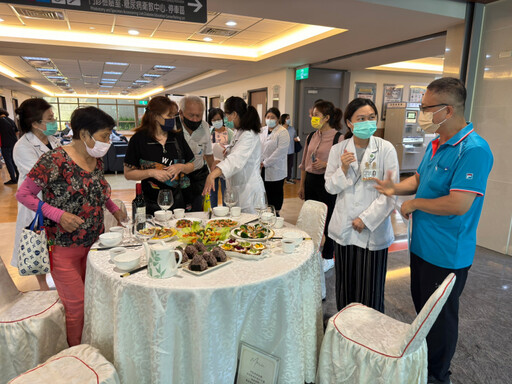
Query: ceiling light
x,y
487,69
231,23
142,81
1,20
106,86
7,72
207,39
92,27
54,70
150,75
109,80
487,56
112,73
164,67
28,58
133,32
115,63
55,77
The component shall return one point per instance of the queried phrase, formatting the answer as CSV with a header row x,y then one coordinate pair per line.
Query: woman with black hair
x,y
274,146
75,193
38,125
326,120
241,165
360,224
221,138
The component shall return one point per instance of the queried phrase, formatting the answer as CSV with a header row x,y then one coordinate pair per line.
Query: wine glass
x,y
259,202
165,200
230,199
144,230
128,226
268,218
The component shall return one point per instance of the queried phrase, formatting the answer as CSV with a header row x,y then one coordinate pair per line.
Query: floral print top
x,y
67,186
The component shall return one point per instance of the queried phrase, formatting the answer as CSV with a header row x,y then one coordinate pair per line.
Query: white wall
x,y
9,95
387,77
284,78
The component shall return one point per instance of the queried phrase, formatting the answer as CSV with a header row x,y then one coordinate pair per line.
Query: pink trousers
x,y
68,273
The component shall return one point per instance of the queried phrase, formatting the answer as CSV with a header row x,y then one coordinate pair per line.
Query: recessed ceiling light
x,y
231,23
29,58
164,67
106,86
1,20
150,75
112,73
92,27
208,39
133,32
487,56
142,81
54,70
486,69
109,80
55,77
115,63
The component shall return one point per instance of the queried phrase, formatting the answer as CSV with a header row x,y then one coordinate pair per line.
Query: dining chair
x,y
311,220
32,327
109,219
362,345
81,364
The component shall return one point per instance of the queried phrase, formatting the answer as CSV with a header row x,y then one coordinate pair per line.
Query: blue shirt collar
x,y
461,135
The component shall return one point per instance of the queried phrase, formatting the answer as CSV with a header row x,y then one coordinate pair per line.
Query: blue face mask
x,y
228,124
168,125
51,128
364,129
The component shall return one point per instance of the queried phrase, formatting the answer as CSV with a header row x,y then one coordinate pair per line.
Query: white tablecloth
x,y
187,329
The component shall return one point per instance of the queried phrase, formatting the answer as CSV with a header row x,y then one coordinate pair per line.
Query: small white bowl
x,y
293,236
116,229
220,211
127,261
236,211
116,252
111,239
163,216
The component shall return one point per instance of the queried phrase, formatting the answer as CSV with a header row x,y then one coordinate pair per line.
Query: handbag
x,y
33,255
298,146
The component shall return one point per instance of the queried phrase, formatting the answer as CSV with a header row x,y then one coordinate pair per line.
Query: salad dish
x,y
252,232
197,233
222,223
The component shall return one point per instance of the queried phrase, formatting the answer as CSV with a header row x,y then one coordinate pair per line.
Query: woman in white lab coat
x,y
275,141
38,125
360,224
241,165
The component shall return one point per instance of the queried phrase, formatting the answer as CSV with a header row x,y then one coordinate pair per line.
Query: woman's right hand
x,y
161,175
346,159
209,185
70,222
302,194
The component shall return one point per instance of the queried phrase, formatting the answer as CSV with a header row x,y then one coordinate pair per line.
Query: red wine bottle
x,y
138,206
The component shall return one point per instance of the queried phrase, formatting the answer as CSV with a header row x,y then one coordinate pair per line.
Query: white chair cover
x,y
81,364
109,219
312,221
32,327
362,345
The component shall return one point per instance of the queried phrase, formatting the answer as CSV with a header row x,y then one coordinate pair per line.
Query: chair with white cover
x,y
109,219
32,327
312,221
81,364
362,345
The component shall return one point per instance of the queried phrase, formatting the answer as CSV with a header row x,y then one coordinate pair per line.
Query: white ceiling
x,y
370,26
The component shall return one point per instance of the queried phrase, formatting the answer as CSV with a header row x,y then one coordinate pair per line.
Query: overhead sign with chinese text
x,y
179,10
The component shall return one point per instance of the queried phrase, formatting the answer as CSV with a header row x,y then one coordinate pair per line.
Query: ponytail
x,y
248,115
251,120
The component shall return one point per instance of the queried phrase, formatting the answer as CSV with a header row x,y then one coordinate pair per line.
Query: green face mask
x,y
51,128
228,124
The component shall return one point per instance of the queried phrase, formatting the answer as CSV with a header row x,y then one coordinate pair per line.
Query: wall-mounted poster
x,y
392,94
416,93
366,91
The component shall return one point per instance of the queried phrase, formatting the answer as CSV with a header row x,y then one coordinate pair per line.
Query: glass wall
x,y
126,113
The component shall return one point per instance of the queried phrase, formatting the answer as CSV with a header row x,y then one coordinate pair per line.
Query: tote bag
x,y
33,255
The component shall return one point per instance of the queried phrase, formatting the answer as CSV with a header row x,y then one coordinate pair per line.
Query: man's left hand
x,y
407,208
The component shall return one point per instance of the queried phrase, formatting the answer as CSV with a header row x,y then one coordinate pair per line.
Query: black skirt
x,y
360,276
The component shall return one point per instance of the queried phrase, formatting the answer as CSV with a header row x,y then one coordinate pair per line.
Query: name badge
x,y
370,171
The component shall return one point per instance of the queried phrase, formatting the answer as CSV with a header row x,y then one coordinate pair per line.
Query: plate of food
x,y
165,234
249,250
222,223
252,232
185,223
196,233
205,261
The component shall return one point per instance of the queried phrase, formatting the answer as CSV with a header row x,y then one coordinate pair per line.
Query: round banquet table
x,y
187,329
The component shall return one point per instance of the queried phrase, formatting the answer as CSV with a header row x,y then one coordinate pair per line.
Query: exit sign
x,y
143,102
302,73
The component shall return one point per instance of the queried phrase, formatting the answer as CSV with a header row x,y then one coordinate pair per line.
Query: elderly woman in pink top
x,y
74,194
326,119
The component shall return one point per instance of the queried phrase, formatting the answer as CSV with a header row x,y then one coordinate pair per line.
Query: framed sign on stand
x,y
256,366
392,94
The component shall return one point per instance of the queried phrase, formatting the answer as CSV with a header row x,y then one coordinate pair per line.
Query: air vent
x,y
218,32
35,13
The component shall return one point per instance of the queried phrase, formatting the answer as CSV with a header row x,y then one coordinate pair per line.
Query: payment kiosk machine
x,y
403,131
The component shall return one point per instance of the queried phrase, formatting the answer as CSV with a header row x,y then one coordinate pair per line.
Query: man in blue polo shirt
x,y
449,186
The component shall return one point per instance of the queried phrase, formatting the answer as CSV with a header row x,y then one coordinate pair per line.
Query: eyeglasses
x,y
422,108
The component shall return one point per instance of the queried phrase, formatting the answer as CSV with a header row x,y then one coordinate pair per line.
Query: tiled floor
x,y
483,354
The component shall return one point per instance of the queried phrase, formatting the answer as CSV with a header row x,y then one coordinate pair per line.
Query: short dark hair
x,y
352,107
214,112
249,117
283,118
4,112
273,110
31,111
90,119
451,87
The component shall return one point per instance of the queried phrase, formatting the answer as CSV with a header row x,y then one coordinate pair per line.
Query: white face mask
x,y
217,124
100,149
425,121
271,123
288,121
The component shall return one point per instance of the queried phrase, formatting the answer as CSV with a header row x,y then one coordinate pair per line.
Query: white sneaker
x,y
328,264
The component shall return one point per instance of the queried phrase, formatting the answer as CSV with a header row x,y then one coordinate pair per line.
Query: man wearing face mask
x,y
449,186
197,135
8,136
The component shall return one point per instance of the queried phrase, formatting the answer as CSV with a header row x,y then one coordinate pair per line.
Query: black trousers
x,y
9,163
275,193
360,276
314,189
289,160
442,338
